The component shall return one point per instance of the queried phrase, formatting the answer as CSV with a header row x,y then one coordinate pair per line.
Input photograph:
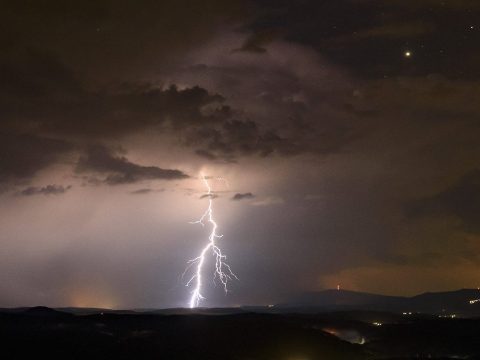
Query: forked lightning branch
x,y
222,270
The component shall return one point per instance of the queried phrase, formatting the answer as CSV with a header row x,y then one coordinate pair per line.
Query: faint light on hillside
x,y
449,316
350,335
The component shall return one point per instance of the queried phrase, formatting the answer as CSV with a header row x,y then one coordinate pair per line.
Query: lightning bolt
x,y
222,270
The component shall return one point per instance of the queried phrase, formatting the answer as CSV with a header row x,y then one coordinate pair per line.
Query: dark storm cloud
x,y
145,191
256,42
137,108
30,77
39,95
45,190
52,88
40,92
433,99
141,191
102,39
47,90
395,31
462,200
119,170
22,155
240,137
209,196
446,5
242,196
375,34
206,154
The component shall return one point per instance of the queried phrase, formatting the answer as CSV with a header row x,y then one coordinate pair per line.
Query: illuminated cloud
x,y
268,201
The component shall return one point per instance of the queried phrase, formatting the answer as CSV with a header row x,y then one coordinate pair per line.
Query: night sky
x,y
348,132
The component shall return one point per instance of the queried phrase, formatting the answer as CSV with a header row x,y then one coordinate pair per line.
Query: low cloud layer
x,y
45,190
242,196
118,170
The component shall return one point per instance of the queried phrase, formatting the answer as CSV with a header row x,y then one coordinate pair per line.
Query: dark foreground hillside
x,y
50,334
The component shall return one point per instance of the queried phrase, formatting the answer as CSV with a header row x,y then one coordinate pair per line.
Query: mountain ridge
x,y
462,301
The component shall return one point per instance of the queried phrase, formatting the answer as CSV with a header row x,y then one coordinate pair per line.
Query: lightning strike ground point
x,y
222,270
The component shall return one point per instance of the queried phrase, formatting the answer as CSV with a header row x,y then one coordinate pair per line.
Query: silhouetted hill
x,y
44,312
341,298
182,337
91,311
460,302
198,311
447,301
41,311
45,333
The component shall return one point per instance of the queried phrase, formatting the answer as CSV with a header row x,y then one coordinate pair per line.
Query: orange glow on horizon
x,y
91,297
